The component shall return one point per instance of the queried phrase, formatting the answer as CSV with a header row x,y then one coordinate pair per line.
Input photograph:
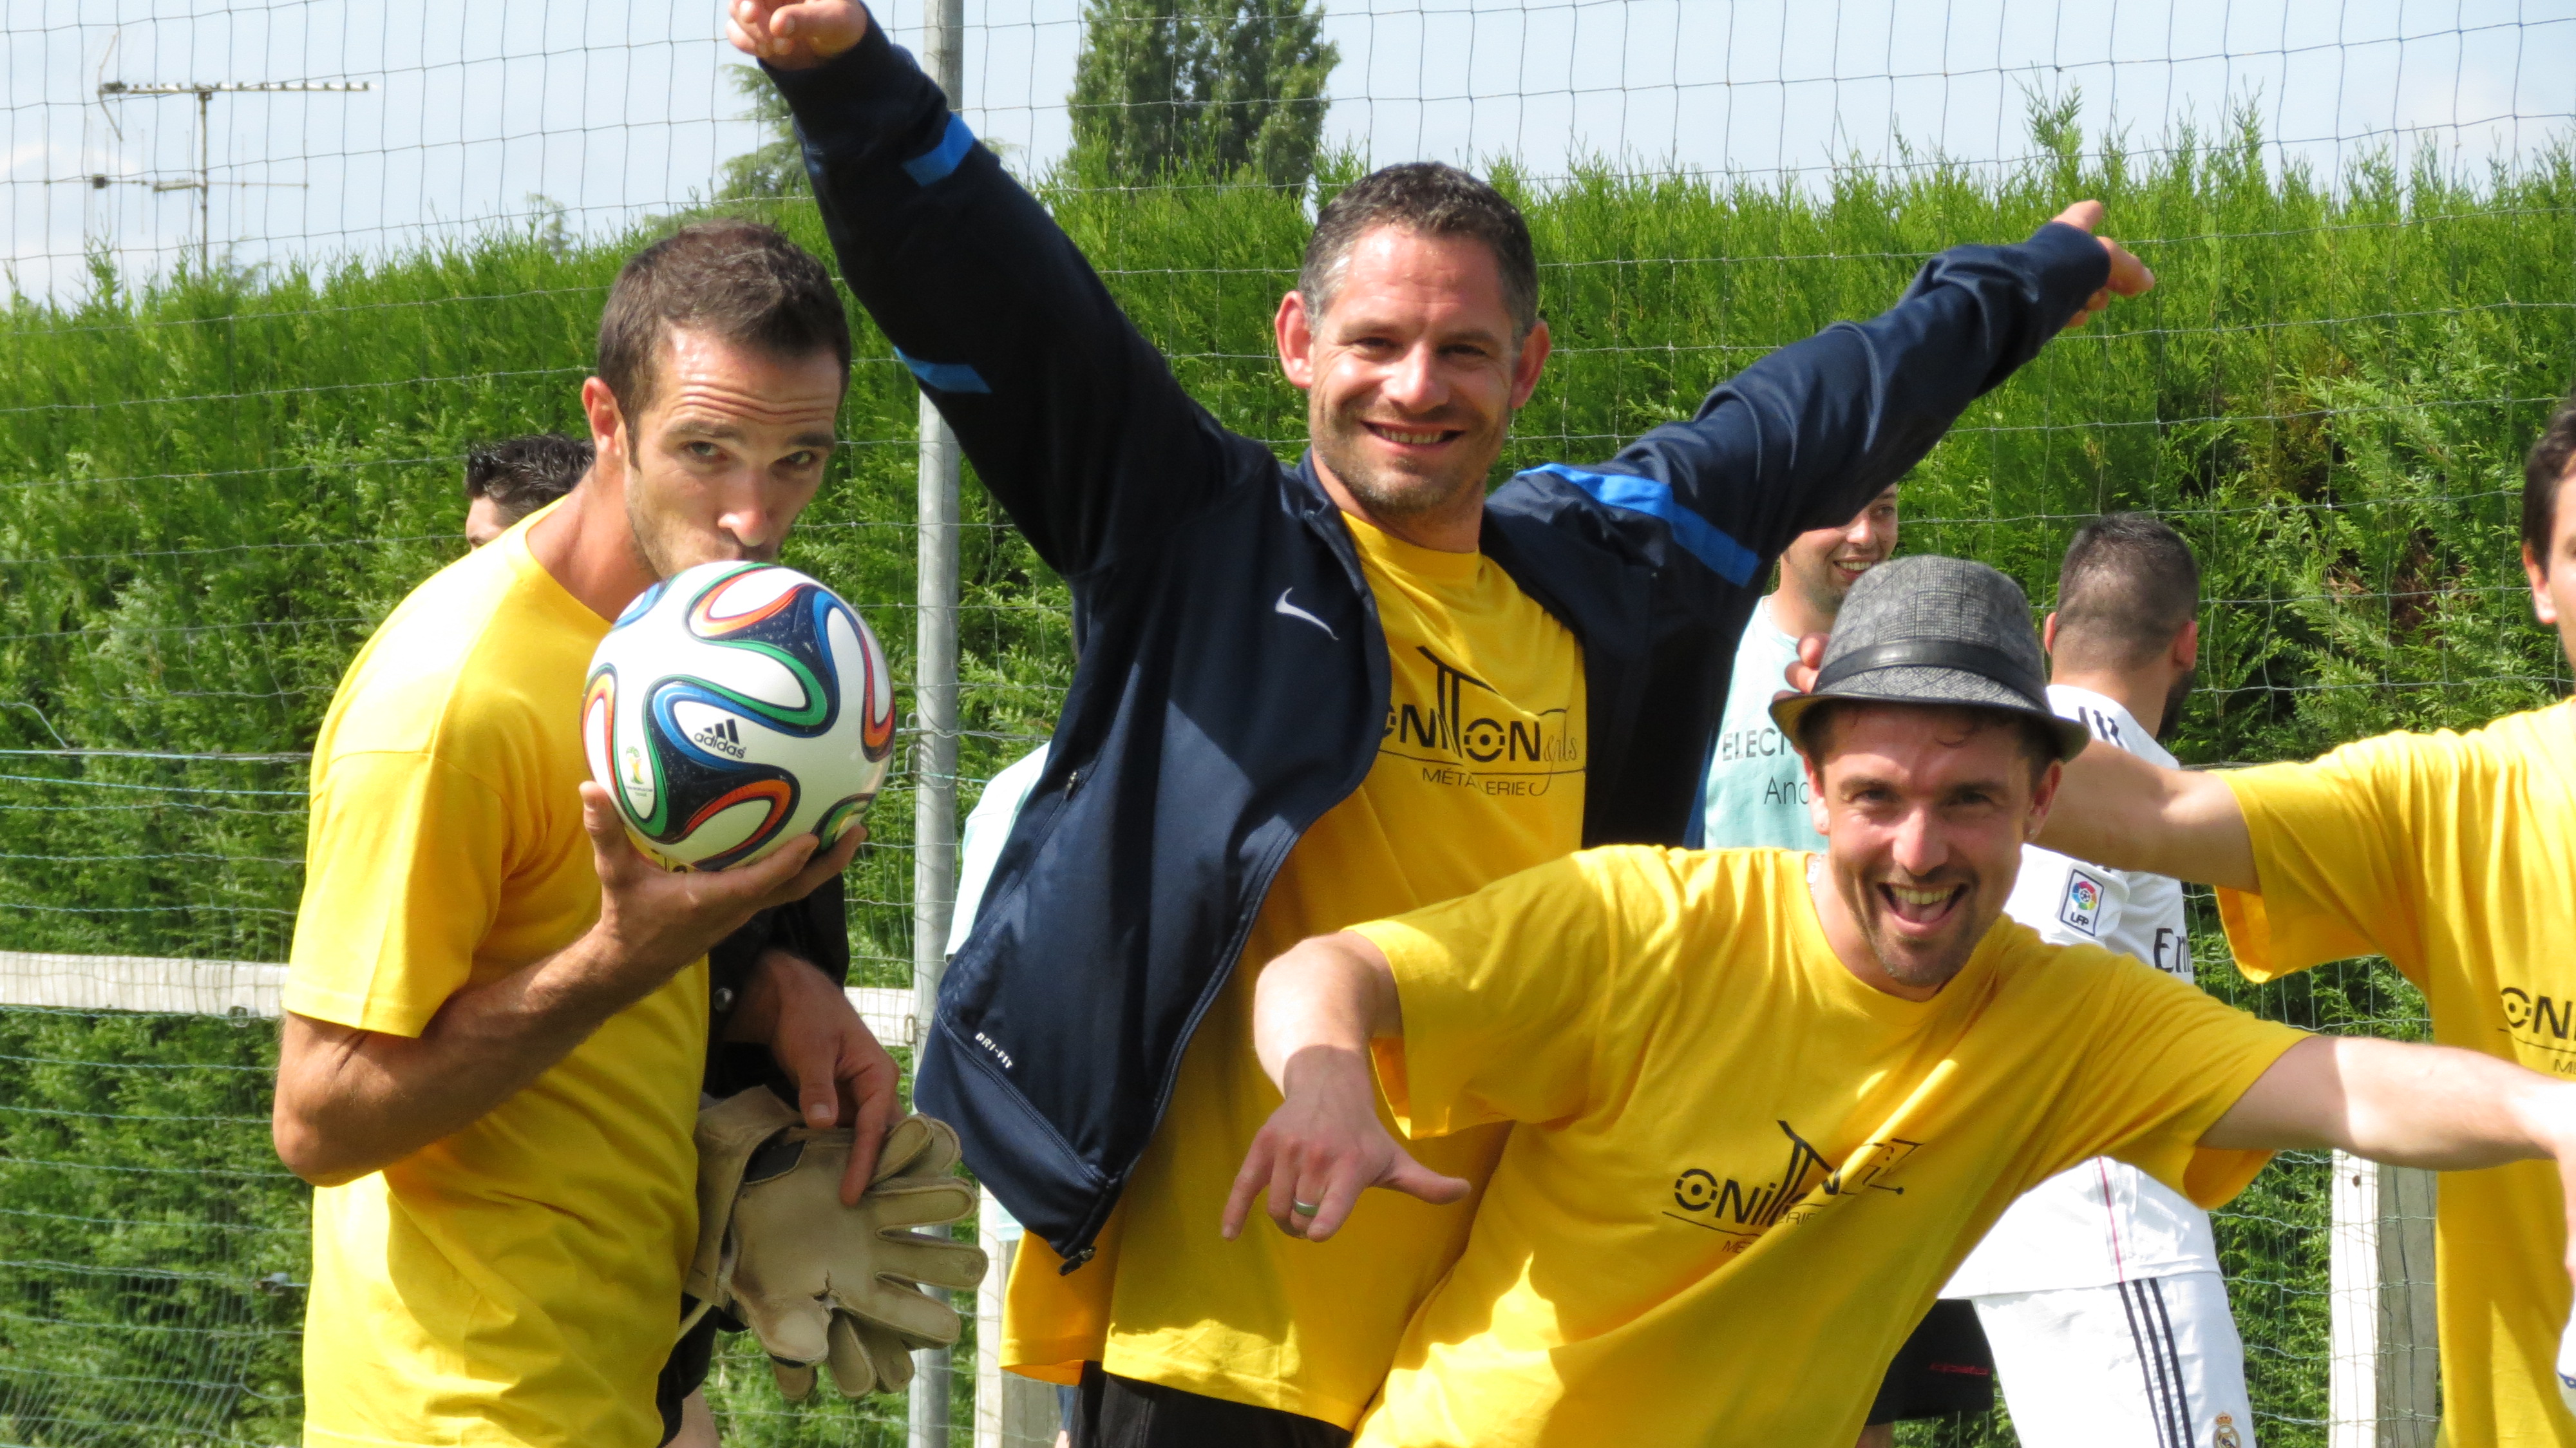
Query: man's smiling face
x,y
1823,563
1412,371
1924,811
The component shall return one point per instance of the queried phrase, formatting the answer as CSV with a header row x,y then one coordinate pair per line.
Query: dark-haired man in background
x,y
497,1009
1314,695
506,481
2099,1291
2451,855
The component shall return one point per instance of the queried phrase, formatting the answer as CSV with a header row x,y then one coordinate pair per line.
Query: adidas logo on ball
x,y
723,736
743,705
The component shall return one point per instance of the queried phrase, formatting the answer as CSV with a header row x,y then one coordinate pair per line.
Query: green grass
x,y
214,489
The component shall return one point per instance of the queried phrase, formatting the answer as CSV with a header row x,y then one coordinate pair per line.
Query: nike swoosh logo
x,y
1293,611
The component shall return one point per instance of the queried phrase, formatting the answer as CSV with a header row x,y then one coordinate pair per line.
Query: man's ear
x,y
2543,607
607,423
1293,330
2043,798
1817,814
2186,645
1531,360
2048,633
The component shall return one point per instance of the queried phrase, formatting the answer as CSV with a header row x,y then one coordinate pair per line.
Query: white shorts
x,y
2153,1363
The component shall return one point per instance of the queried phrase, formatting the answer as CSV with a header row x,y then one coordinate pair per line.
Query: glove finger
x,y
790,1328
891,1354
940,1156
854,1367
903,1309
932,1263
904,1145
911,1202
795,1380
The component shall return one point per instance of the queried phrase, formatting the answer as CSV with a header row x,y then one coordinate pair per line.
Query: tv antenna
x,y
204,183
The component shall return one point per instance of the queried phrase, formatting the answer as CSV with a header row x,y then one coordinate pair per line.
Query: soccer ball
x,y
734,707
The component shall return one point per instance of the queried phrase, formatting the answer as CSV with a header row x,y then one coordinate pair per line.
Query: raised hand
x,y
2129,276
798,35
1323,1147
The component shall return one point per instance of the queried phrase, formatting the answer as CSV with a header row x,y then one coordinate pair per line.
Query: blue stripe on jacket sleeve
x,y
1699,537
946,376
935,163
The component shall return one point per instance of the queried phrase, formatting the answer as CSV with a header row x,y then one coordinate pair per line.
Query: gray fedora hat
x,y
1934,630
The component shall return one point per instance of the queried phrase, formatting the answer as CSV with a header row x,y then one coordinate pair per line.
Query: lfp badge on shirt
x,y
2083,907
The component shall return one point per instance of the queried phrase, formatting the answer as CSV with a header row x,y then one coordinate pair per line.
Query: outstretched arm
x,y
1314,1013
1070,415
2406,1105
2118,810
1805,436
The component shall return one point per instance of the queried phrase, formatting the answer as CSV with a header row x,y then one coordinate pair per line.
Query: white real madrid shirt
x,y
2103,1221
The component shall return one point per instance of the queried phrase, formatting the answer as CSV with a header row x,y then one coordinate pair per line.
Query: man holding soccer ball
x,y
1310,696
497,1008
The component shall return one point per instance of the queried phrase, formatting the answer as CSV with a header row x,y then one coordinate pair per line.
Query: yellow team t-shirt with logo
x,y
518,1282
1479,773
2454,855
1739,1176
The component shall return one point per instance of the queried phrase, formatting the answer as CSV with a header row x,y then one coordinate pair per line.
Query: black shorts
x,y
1945,1369
691,1357
1115,1412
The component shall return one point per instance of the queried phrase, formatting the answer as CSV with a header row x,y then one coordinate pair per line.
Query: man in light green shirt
x,y
1756,792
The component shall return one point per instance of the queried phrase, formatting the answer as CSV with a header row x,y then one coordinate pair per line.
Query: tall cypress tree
x,y
1212,86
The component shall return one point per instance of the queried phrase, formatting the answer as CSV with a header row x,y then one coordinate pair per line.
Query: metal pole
x,y
934,810
205,183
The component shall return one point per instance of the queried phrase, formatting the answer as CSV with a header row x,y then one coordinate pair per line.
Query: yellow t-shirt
x,y
519,1282
1479,774
2454,855
1740,1176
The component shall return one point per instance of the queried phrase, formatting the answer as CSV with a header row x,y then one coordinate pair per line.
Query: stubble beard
x,y
1388,493
1931,965
664,548
2174,698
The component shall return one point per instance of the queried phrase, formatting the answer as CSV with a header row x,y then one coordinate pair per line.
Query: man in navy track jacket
x,y
1313,695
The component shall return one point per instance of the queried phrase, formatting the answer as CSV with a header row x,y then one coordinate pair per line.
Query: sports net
x,y
245,356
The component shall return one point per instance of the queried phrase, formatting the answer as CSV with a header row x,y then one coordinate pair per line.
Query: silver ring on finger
x,y
1304,1209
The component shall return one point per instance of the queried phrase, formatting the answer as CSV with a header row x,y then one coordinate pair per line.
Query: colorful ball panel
x,y
735,707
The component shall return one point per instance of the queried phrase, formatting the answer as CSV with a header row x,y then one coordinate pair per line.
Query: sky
x,y
503,113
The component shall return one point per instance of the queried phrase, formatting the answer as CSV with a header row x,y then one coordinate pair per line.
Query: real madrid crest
x,y
2225,1435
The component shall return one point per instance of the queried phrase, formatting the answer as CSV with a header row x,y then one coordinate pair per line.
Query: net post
x,y
2352,1287
934,817
2409,1368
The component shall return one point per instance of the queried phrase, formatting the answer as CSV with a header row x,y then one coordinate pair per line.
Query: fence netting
x,y
252,333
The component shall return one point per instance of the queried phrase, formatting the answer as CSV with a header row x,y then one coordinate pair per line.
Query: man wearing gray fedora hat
x,y
1764,1101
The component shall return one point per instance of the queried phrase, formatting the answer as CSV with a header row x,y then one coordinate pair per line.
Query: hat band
x,y
1968,658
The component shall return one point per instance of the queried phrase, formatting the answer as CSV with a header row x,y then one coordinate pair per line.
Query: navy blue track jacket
x,y
1207,727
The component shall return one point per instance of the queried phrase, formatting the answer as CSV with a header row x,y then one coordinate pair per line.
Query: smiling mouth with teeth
x,y
1921,905
1411,439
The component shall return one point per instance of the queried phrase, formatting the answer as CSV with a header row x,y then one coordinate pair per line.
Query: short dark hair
x,y
2039,743
1435,200
2542,473
744,282
2128,585
526,473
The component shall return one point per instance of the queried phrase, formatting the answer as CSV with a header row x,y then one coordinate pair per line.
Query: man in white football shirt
x,y
2099,1290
